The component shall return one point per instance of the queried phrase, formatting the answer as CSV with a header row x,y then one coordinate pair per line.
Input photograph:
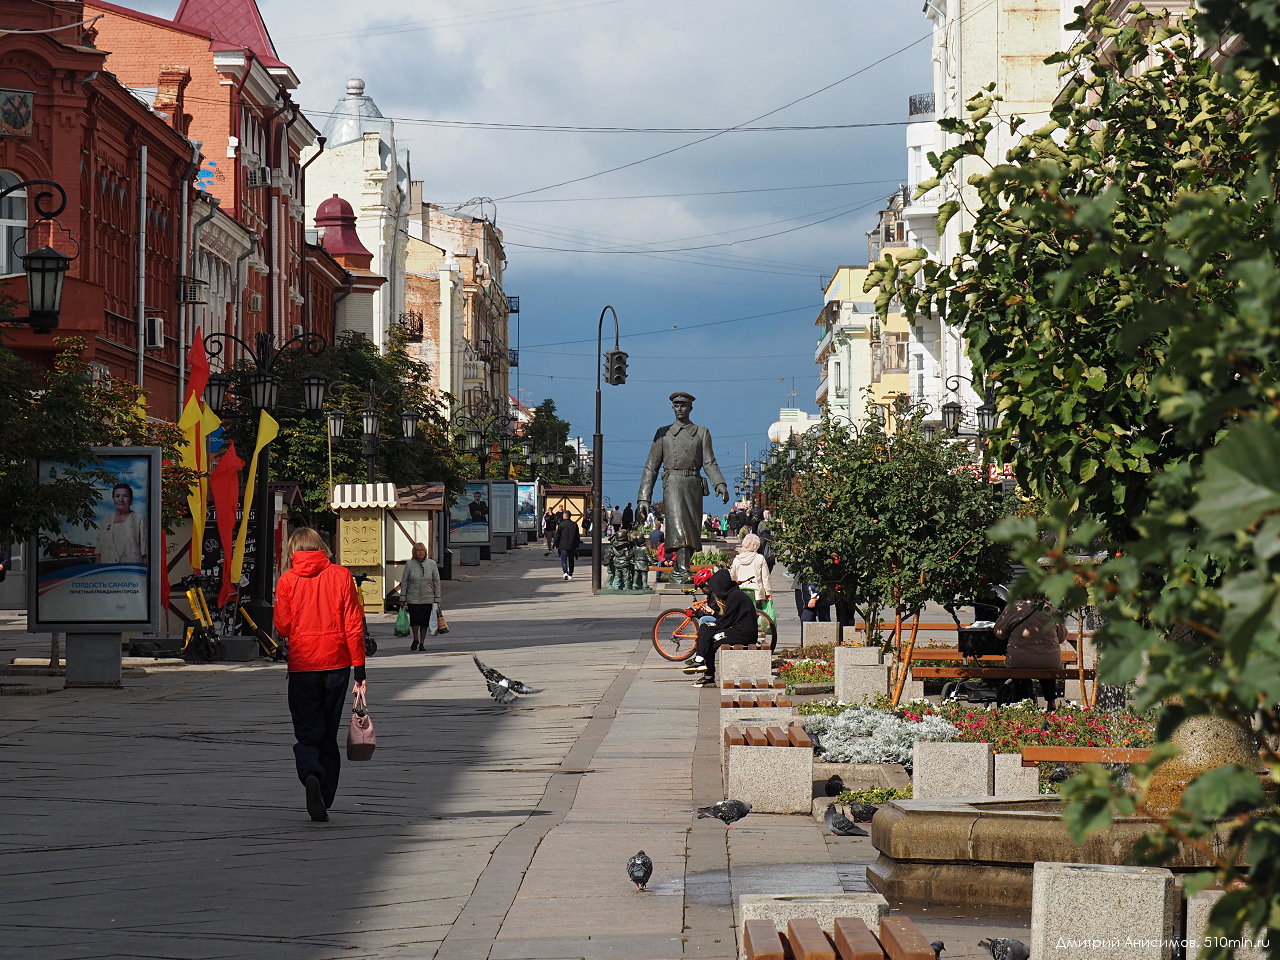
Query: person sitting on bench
x,y
1035,632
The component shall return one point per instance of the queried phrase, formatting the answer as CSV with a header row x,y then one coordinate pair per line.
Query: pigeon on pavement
x,y
639,870
841,825
728,811
937,947
862,812
835,786
1002,948
501,688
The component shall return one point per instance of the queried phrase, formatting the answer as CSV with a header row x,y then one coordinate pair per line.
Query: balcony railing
x,y
920,106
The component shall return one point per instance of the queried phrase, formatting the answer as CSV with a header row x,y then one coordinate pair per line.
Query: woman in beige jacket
x,y
750,571
1035,632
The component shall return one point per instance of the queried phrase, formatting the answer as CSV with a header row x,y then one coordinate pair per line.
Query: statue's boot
x,y
680,568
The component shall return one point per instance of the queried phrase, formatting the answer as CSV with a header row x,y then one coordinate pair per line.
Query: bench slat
x,y
951,653
755,737
777,738
998,673
902,940
807,940
799,738
760,940
854,941
1032,755
733,737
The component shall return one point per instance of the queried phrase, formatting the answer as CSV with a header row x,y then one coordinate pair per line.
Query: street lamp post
x,y
615,375
480,425
263,387
987,415
45,267
370,421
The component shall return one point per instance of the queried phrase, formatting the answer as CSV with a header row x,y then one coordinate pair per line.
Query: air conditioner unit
x,y
193,290
154,334
255,303
298,330
257,177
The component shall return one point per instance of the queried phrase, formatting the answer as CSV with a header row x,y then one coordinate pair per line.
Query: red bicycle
x,y
675,632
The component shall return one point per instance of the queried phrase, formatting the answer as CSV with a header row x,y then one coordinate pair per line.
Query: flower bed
x,y
806,671
868,735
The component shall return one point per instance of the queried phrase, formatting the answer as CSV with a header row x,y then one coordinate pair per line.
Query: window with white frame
x,y
13,226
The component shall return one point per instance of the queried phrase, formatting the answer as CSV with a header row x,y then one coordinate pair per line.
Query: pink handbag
x,y
361,741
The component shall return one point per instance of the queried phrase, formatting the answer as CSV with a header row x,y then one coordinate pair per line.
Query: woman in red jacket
x,y
319,609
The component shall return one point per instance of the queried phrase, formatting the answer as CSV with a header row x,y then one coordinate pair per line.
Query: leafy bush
x,y
874,795
709,558
867,735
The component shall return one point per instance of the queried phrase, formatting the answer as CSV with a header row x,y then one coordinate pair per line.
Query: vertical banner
x,y
502,507
103,576
527,507
267,431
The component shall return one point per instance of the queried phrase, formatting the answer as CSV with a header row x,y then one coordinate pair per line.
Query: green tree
x,y
547,432
890,522
303,452
1124,259
58,413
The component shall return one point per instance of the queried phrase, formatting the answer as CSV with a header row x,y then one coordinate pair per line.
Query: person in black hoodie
x,y
734,622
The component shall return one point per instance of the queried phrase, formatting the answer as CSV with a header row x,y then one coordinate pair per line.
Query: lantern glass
x,y
951,411
504,442
215,391
409,424
929,432
337,424
264,390
460,440
526,448
791,454
313,390
473,439
45,270
559,459
372,421
987,417
773,458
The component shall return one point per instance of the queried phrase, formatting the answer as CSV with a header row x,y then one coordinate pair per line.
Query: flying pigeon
x,y
862,812
501,688
937,947
841,825
1002,948
835,786
639,870
727,810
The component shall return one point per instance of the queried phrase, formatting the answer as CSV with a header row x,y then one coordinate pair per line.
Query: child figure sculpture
x,y
620,561
641,558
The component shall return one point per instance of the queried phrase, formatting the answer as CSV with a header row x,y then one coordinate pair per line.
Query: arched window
x,y
13,226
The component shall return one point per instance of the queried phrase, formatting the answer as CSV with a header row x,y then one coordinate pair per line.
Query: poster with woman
x,y
103,575
469,517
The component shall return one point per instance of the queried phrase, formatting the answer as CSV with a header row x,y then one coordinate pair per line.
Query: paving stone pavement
x,y
166,820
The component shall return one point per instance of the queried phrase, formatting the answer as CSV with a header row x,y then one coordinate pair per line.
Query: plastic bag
x,y
402,622
433,624
768,607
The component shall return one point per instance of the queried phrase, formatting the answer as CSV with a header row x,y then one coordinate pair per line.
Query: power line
x,y
703,193
673,327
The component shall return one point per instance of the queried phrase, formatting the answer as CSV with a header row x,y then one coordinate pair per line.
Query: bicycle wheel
x,y
675,635
766,630
370,646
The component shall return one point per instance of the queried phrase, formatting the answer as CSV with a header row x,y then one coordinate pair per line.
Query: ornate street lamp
x,y
371,421
479,426
951,413
45,267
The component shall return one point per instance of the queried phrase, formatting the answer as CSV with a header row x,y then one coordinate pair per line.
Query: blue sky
x,y
686,246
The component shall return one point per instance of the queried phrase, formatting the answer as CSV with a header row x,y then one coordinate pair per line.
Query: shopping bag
x,y
767,607
441,626
402,622
361,741
433,622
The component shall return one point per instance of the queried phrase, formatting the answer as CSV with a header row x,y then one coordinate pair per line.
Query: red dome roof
x,y
338,221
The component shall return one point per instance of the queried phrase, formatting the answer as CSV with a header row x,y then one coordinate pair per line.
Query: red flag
x,y
224,485
198,360
164,566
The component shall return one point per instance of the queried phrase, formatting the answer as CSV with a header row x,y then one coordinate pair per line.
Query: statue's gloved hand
x,y
642,509
722,491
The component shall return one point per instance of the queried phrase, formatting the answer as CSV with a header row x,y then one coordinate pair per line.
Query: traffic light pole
x,y
617,375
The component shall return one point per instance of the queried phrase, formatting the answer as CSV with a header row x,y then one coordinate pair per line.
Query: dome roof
x,y
355,115
334,209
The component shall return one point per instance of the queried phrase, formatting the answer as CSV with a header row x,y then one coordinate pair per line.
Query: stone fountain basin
x,y
981,850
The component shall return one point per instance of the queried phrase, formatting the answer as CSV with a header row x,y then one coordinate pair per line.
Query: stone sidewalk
x,y
165,819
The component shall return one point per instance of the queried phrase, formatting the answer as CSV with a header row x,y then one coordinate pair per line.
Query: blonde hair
x,y
751,543
305,538
419,546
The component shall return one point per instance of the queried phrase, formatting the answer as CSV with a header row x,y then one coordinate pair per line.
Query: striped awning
x,y
359,496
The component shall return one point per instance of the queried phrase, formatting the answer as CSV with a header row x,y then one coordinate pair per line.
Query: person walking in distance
x,y
420,592
628,517
568,538
615,519
549,521
319,610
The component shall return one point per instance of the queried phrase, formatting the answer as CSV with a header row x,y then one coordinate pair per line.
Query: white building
x,y
362,163
975,42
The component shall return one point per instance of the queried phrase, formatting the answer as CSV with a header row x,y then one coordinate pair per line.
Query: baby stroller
x,y
979,639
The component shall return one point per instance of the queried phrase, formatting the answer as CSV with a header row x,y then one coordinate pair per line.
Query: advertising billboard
x,y
103,576
502,507
469,517
527,507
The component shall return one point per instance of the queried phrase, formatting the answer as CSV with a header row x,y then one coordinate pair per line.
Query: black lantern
x,y
264,389
313,389
504,443
215,391
773,457
473,439
46,268
337,424
928,431
791,454
951,413
526,448
409,424
987,417
372,420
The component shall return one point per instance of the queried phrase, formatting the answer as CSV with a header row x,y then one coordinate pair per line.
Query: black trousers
x,y
318,705
707,646
566,560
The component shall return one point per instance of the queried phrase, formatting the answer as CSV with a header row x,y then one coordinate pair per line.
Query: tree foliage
x,y
1120,287
548,432
58,413
889,522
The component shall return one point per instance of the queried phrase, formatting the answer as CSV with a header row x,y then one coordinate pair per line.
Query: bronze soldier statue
x,y
683,450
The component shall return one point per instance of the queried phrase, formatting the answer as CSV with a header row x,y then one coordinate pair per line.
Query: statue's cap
x,y
681,395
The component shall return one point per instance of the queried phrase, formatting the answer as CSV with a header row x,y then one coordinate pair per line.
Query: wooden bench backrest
x,y
773,737
902,940
899,939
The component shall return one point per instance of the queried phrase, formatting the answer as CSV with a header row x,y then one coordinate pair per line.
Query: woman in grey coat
x,y
420,591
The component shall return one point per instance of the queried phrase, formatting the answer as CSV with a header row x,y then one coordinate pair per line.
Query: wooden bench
x,y
1034,755
752,685
954,655
768,737
754,703
999,673
851,939
744,646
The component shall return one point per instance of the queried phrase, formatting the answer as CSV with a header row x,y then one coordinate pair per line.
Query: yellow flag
x,y
209,422
268,429
189,424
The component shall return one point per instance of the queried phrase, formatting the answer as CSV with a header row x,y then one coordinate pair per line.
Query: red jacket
x,y
319,610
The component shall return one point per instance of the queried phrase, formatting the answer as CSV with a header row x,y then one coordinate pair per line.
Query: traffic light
x,y
615,367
